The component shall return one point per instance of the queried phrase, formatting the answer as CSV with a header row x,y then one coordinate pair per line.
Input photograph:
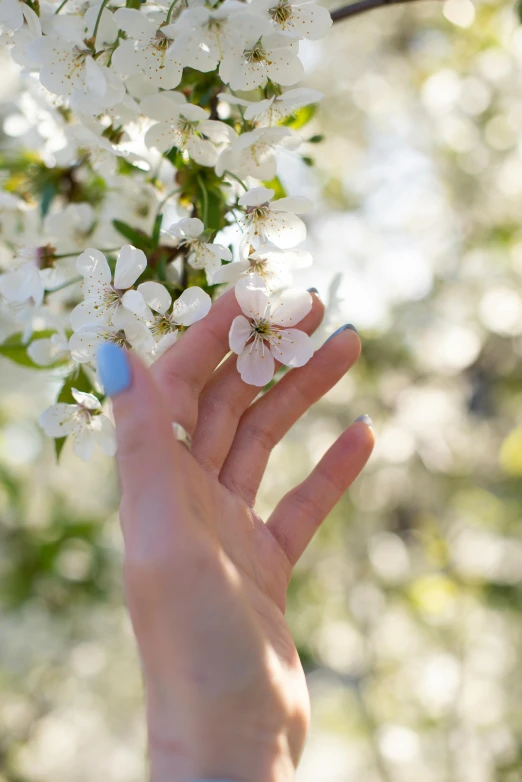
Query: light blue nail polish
x,y
347,326
313,290
364,419
113,368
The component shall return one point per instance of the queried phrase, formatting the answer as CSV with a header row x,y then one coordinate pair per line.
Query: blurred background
x,y
407,608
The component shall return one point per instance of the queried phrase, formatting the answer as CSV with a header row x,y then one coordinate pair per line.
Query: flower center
x,y
255,54
162,325
263,328
161,42
258,212
281,13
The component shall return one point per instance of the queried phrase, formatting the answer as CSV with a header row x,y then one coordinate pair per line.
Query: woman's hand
x,y
205,577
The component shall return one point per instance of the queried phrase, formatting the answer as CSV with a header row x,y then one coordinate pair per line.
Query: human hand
x,y
205,577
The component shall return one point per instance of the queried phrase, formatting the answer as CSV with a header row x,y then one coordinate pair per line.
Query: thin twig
x,y
364,5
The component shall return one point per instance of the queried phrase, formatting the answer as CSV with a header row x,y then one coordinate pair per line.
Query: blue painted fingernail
x,y
364,419
313,290
113,368
347,326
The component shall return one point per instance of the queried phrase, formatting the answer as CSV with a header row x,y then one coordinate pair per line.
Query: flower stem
x,y
61,6
169,14
98,19
233,176
205,200
71,255
65,285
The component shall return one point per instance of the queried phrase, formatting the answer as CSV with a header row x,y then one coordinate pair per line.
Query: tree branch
x,y
363,5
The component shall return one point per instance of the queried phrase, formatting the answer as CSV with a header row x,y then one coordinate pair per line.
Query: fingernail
x,y
113,368
364,419
313,290
347,326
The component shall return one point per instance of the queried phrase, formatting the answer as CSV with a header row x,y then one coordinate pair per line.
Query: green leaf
x,y
48,194
138,238
308,161
156,230
301,117
316,139
277,186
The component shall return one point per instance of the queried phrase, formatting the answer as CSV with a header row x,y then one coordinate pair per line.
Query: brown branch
x,y
364,5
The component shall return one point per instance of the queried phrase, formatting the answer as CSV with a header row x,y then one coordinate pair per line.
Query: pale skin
x,y
205,576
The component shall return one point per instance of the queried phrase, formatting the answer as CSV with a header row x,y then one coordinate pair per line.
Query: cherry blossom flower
x,y
13,14
261,335
303,20
265,113
84,422
191,306
24,281
254,153
126,330
257,60
273,221
188,233
105,296
202,36
272,264
49,350
146,50
184,126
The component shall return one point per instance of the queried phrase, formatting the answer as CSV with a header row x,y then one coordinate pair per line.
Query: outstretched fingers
x,y
266,422
301,511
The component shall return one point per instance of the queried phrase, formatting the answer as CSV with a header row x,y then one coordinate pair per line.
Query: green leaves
x,y
135,236
277,186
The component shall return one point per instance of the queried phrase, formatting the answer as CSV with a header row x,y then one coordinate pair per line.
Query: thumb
x,y
146,453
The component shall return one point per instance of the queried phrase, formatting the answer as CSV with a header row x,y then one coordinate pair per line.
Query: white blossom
x,y
272,264
24,281
184,126
303,20
49,350
265,113
256,60
254,153
262,334
84,422
188,233
191,306
127,331
273,221
146,50
105,296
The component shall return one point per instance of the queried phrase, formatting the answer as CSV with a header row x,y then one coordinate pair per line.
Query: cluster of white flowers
x,y
119,152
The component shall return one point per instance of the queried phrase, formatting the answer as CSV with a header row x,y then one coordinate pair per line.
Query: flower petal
x,y
192,305
252,296
89,401
88,312
291,307
256,364
166,342
229,272
84,444
130,264
298,205
135,303
292,348
156,296
104,434
256,196
84,343
93,264
58,420
239,334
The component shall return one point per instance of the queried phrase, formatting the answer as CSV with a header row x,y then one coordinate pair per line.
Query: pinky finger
x,y
300,513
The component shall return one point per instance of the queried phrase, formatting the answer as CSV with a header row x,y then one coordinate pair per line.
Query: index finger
x,y
184,369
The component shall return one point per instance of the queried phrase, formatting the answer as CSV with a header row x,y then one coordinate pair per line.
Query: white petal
x,y
58,420
164,107
192,305
84,444
104,434
138,334
94,78
42,352
311,21
156,296
291,307
88,401
239,334
84,343
134,23
193,113
256,364
22,284
293,348
256,196
230,272
188,226
298,205
130,264
202,151
284,67
283,229
252,295
218,132
93,264
135,303
166,342
88,312
160,136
